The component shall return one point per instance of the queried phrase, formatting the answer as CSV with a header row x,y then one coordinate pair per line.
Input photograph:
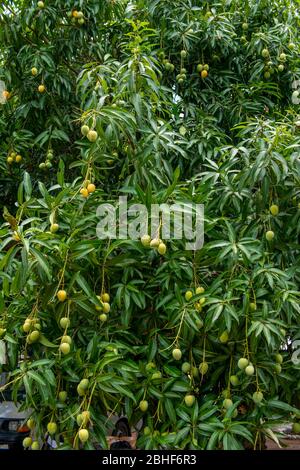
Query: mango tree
x,y
162,103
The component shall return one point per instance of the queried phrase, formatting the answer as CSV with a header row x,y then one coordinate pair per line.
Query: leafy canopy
x,y
191,101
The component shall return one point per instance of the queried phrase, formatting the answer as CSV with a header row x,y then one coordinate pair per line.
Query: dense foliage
x,y
184,101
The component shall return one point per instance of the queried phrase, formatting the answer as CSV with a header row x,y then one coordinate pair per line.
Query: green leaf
x,y
42,262
36,377
170,410
45,342
86,288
